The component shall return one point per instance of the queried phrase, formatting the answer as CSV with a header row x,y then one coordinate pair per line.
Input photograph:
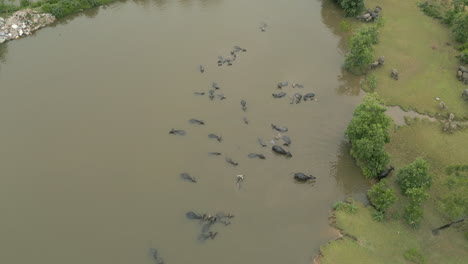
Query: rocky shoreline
x,y
23,23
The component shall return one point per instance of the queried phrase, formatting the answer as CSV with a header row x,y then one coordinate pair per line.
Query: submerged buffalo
x,y
243,104
179,132
196,121
279,95
279,150
260,141
255,155
286,139
232,162
279,128
202,69
214,136
308,96
155,254
301,177
187,177
282,84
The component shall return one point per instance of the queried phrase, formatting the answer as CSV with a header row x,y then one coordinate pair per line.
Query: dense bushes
x,y
368,134
455,200
351,7
460,28
361,52
414,180
454,15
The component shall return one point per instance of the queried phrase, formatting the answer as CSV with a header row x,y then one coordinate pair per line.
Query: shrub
x,y
381,197
455,201
368,134
414,175
348,206
464,56
460,28
25,3
371,82
413,255
378,216
431,9
345,26
370,33
351,7
414,214
417,195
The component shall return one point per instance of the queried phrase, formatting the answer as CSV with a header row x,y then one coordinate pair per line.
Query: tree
x,y
414,175
368,134
351,7
381,197
460,27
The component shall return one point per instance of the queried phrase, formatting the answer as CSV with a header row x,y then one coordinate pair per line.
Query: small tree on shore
x,y
368,133
361,52
381,196
414,179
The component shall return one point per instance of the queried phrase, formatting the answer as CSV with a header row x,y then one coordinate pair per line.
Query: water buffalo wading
x,y
202,69
301,177
385,173
279,150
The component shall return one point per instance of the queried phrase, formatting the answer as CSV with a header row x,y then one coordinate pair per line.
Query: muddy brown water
x,y
89,173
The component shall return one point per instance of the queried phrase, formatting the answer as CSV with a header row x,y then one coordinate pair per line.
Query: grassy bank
x,y
422,49
388,241
58,8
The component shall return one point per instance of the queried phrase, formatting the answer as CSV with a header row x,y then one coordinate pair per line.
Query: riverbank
x,y
17,21
422,50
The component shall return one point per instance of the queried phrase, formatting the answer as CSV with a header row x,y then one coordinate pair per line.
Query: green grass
x,y
388,241
415,45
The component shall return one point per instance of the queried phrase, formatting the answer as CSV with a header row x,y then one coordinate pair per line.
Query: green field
x,y
386,242
422,50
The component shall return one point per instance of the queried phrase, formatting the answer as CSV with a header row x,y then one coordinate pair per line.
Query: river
x,y
90,174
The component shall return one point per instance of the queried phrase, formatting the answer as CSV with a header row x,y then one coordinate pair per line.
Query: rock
x,y
381,60
14,26
460,75
437,99
2,40
394,74
465,95
442,105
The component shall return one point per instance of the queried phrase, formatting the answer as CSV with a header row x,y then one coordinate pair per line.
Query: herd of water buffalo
x,y
280,143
